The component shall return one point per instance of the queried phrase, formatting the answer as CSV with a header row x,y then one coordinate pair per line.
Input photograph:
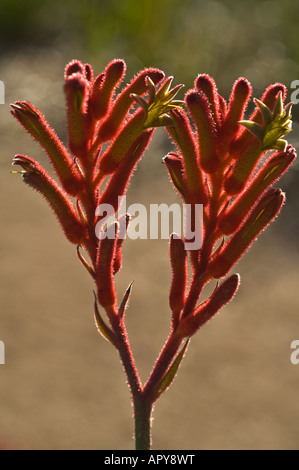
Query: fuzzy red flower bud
x,y
184,139
206,131
88,72
103,88
36,125
278,164
264,212
110,126
222,107
121,177
269,97
76,90
239,98
175,167
123,223
220,297
205,84
239,175
104,267
75,66
36,177
178,259
116,152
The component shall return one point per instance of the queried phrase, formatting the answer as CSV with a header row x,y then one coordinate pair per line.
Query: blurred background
x,y
62,386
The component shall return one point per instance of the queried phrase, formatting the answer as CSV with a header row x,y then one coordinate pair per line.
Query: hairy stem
x,y
163,362
126,357
142,413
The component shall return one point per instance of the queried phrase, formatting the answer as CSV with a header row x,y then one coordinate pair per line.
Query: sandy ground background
x,y
63,387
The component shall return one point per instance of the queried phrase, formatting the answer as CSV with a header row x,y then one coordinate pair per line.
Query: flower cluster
x,y
96,115
221,162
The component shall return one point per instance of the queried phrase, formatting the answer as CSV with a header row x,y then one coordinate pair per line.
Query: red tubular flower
x,y
200,110
116,152
121,177
273,169
36,177
76,90
220,297
237,178
37,126
269,97
266,135
75,66
205,84
123,223
239,98
100,99
178,258
111,125
89,73
184,140
104,267
264,212
175,167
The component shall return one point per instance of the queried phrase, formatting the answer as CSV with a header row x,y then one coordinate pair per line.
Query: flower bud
x,y
36,177
205,84
36,125
175,167
206,133
220,297
88,72
183,137
222,108
103,88
178,259
267,175
240,95
76,89
123,222
110,126
75,66
269,98
239,175
104,267
121,177
116,152
263,213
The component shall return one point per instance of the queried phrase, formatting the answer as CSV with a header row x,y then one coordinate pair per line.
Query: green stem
x,y
142,413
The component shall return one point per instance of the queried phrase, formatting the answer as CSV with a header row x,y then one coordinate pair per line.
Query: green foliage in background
x,y
254,38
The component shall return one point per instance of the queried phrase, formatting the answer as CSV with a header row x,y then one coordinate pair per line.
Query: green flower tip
x,y
159,103
276,124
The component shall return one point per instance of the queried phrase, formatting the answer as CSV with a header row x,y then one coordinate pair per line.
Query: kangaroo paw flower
x,y
36,177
